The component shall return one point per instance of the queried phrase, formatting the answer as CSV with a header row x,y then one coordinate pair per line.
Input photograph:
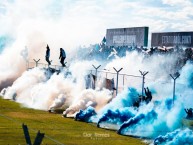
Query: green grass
x,y
63,130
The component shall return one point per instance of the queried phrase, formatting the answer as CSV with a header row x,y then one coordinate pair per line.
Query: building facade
x,y
136,36
172,39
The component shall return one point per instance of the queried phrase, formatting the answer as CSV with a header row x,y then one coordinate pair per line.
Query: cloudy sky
x,y
83,22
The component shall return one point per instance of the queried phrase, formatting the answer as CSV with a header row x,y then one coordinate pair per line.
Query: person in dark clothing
x,y
148,95
48,55
62,57
189,113
136,104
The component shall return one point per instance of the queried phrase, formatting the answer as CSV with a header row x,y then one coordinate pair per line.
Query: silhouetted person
x,y
148,95
189,113
62,57
48,55
136,104
151,51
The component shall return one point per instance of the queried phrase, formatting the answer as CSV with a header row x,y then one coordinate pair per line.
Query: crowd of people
x,y
101,52
143,99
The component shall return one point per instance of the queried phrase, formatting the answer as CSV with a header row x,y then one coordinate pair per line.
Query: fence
x,y
31,65
138,81
121,80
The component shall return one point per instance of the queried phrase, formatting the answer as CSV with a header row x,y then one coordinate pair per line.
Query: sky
x,y
76,23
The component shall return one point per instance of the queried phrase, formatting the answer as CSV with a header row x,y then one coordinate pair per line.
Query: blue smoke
x,y
124,99
191,80
141,118
116,117
169,103
178,137
184,85
4,41
149,121
85,115
187,74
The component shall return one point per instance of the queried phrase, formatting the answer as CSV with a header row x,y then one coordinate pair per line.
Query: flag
x,y
104,40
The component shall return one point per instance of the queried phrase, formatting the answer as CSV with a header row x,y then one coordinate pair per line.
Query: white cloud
x,y
177,2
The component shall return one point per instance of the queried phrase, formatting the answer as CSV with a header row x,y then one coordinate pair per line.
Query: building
x,y
135,36
172,39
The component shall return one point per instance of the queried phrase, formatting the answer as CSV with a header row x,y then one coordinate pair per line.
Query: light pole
x,y
124,80
143,80
174,77
106,72
117,78
36,61
96,68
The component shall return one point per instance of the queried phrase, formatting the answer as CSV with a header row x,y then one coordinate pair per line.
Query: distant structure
x,y
172,39
127,37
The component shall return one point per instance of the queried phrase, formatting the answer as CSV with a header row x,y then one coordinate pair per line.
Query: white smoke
x,y
24,54
58,102
96,99
11,65
158,66
49,22
38,89
45,22
25,82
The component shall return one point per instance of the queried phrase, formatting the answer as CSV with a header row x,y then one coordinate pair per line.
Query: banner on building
x,y
172,39
136,36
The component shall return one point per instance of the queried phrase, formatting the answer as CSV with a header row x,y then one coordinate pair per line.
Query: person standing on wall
x,y
62,57
48,55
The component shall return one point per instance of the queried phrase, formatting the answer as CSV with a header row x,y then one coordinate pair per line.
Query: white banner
x,y
124,39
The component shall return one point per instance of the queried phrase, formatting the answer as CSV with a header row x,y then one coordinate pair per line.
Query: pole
x,y
123,80
39,138
106,72
142,89
174,90
27,64
96,68
26,134
117,79
36,61
174,77
143,81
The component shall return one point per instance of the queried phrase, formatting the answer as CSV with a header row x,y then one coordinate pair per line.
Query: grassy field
x,y
58,130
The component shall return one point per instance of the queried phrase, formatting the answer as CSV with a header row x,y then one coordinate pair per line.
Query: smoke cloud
x,y
184,136
28,30
40,89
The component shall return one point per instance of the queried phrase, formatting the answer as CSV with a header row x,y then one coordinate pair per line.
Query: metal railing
x,y
33,64
135,81
127,80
